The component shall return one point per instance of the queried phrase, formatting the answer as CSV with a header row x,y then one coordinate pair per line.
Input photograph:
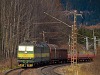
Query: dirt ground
x,y
91,68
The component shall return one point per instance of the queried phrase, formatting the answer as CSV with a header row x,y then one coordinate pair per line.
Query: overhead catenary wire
x,y
47,23
57,19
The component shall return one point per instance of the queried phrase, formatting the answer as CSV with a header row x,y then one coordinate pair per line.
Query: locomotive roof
x,y
53,46
33,43
27,43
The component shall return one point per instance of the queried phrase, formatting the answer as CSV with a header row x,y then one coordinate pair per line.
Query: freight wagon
x,y
82,55
57,55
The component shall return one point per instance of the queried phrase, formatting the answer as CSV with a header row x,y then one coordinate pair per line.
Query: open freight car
x,y
82,55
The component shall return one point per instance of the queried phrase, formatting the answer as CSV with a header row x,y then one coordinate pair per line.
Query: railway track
x,y
16,71
49,70
44,70
21,71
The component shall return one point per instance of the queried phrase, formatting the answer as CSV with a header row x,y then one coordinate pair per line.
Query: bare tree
x,y
20,20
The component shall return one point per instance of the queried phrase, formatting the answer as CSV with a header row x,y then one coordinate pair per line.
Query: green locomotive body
x,y
30,54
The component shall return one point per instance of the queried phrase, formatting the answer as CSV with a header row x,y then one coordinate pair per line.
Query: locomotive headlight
x,y
25,51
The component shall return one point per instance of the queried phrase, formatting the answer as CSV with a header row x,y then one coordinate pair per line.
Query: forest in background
x,y
25,19
84,32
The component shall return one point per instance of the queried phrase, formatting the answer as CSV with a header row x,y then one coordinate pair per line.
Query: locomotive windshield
x,y
21,48
29,48
25,48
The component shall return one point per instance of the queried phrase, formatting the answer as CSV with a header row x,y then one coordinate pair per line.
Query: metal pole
x,y
74,42
43,36
95,45
69,41
87,44
74,45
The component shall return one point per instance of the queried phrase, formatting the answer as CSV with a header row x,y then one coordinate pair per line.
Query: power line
x,y
57,19
47,23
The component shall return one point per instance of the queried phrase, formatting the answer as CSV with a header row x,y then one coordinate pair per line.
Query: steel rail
x,y
52,70
7,73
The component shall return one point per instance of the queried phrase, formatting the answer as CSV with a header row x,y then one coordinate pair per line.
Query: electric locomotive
x,y
31,53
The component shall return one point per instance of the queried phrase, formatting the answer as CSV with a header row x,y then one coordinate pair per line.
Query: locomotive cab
x,y
25,54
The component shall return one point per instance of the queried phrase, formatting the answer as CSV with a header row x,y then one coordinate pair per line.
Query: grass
x,y
6,65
